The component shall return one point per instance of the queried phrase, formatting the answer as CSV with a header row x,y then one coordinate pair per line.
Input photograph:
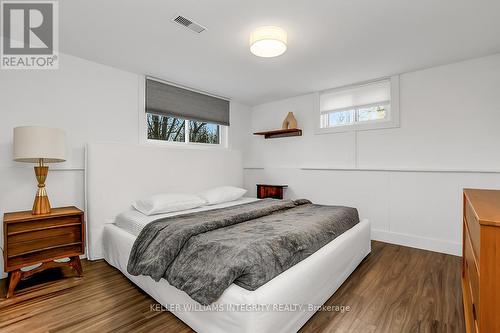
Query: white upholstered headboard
x,y
118,174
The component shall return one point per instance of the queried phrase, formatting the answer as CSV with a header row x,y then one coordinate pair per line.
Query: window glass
x,y
172,129
378,112
201,132
340,118
165,128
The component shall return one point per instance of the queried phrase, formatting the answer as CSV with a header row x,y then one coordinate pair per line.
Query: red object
x,y
270,191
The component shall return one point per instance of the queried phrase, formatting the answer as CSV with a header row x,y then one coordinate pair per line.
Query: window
x,y
165,128
181,115
361,107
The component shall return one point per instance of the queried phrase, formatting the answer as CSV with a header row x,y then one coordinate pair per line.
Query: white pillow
x,y
167,203
222,194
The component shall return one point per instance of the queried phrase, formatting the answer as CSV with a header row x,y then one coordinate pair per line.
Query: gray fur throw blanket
x,y
204,253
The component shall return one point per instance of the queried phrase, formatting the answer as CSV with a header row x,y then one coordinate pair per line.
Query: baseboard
x,y
418,242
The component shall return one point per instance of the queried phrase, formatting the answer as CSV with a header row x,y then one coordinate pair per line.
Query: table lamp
x,y
33,144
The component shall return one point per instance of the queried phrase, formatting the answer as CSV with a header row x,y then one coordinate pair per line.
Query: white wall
x,y
92,103
96,103
449,120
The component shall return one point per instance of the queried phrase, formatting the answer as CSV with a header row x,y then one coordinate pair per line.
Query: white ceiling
x,y
331,42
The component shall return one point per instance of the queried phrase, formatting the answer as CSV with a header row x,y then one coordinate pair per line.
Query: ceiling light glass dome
x,y
268,41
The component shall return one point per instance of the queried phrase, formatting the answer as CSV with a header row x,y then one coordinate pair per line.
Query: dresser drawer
x,y
473,227
471,325
472,277
39,240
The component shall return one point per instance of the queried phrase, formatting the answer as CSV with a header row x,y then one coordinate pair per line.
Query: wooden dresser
x,y
481,260
33,239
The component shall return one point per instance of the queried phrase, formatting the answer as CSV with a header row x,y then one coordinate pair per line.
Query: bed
x,y
283,304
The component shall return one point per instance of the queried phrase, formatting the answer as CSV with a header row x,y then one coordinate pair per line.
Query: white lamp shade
x,y
32,143
268,41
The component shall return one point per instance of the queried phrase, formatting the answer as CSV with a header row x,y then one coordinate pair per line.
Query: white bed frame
x,y
118,174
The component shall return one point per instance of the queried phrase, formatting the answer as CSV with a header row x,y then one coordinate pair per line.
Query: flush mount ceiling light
x,y
268,41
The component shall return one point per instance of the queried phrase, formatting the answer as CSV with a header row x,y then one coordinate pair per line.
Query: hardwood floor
x,y
395,289
398,289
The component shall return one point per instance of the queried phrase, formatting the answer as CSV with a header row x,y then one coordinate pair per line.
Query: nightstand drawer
x,y
43,256
42,224
35,241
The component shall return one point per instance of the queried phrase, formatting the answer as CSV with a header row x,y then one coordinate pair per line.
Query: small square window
x,y
365,106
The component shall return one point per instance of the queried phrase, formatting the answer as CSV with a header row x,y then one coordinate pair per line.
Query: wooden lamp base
x,y
41,204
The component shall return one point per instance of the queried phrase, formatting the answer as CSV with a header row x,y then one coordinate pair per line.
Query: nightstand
x,y
270,191
34,239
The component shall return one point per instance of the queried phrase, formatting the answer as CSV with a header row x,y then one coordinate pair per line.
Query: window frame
x,y
391,120
143,127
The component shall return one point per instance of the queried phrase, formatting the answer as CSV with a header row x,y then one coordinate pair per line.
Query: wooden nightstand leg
x,y
14,278
77,265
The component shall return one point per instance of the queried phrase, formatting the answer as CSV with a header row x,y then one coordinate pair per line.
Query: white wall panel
x,y
450,117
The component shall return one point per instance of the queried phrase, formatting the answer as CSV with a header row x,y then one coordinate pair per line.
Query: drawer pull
x,y
474,311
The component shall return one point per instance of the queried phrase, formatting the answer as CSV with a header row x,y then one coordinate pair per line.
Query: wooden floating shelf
x,y
281,133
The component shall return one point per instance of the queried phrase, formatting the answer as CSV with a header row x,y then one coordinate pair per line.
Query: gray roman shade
x,y
169,100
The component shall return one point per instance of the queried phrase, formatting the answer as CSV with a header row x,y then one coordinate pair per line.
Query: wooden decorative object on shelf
x,y
280,133
290,122
289,128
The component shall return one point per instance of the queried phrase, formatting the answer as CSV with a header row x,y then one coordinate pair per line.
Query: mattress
x,y
283,304
134,221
